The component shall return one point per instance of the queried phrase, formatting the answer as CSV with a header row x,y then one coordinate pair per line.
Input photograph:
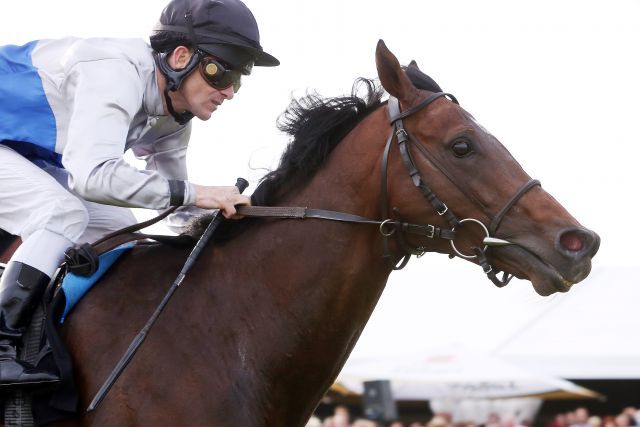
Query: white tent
x,y
458,373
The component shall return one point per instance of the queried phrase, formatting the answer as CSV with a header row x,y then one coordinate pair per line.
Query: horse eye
x,y
461,148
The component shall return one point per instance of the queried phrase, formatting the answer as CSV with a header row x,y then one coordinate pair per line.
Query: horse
x,y
269,313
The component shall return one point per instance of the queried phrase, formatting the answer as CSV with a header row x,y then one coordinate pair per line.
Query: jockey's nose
x,y
578,243
228,92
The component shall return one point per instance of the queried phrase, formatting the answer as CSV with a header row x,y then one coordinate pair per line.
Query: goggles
x,y
219,75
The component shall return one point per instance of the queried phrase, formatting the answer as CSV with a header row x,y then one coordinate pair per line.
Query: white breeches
x,y
37,202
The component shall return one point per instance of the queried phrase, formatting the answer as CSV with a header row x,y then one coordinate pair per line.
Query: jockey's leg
x,y
49,219
103,219
21,288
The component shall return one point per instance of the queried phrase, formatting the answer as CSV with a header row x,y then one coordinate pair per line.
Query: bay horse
x,y
266,318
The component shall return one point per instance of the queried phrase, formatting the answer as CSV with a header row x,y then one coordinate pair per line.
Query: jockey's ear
x,y
392,77
180,57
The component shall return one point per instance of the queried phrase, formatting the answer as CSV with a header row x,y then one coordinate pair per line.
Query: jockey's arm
x,y
98,130
99,124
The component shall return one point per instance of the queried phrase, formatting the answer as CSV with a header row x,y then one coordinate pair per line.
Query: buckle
x,y
431,232
444,211
402,135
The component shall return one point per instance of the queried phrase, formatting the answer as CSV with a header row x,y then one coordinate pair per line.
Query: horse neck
x,y
336,272
291,297
349,181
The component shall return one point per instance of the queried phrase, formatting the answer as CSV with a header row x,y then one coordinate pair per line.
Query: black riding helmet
x,y
225,29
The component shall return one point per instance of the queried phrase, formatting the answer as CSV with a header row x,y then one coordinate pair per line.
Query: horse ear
x,y
393,79
414,64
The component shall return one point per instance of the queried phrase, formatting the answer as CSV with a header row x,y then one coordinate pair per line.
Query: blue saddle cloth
x,y
75,287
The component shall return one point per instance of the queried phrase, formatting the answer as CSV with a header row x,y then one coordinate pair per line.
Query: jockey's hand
x,y
224,198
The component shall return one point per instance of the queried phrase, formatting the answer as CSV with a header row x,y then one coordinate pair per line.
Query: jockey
x,y
72,107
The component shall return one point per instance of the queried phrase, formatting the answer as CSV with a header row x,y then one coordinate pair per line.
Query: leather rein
x,y
391,227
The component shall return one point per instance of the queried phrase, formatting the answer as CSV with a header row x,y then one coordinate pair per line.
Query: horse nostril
x,y
572,241
578,244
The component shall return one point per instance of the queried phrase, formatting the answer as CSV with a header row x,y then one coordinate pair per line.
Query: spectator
x,y
493,420
438,421
622,420
341,416
570,418
594,421
633,414
558,421
581,416
361,422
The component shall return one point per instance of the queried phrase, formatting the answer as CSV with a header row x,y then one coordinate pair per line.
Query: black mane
x,y
316,125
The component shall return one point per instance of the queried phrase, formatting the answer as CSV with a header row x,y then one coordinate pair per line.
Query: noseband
x,y
404,140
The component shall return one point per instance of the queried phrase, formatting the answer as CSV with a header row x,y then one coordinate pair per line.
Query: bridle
x,y
394,227
397,228
404,140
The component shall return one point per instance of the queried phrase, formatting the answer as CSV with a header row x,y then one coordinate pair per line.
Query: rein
x,y
397,228
389,227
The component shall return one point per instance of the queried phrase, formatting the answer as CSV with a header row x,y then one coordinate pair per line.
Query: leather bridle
x,y
395,227
404,140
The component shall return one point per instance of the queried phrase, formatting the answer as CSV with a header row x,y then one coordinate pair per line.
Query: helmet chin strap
x,y
182,118
174,79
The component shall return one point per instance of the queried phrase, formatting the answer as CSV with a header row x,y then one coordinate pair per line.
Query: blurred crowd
x,y
629,416
342,418
580,417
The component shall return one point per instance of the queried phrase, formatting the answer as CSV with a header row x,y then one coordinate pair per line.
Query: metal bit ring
x,y
453,246
383,229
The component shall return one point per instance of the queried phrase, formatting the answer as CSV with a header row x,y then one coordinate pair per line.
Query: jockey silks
x,y
81,103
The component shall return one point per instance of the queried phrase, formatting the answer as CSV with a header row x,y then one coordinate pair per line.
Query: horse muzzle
x,y
550,267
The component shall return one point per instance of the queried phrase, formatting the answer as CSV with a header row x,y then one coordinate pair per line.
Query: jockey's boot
x,y
21,287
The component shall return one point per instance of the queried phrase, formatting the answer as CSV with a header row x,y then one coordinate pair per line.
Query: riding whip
x,y
242,184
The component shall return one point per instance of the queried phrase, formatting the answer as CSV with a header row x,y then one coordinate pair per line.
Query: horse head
x,y
483,188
